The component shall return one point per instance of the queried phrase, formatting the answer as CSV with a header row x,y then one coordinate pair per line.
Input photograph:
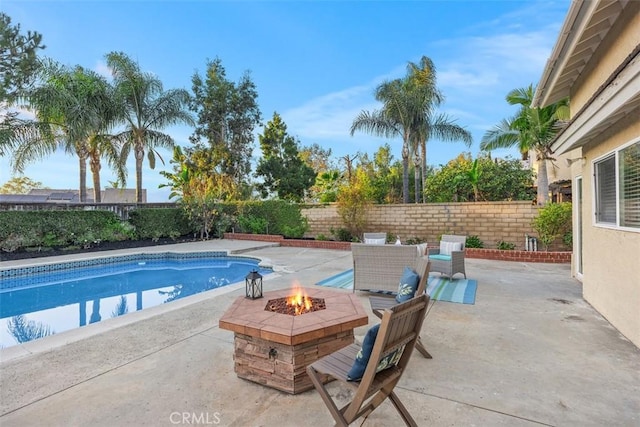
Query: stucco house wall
x,y
611,258
596,62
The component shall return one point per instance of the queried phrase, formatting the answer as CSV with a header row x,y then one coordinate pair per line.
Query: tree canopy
x,y
530,129
19,65
464,179
19,185
227,114
281,168
18,58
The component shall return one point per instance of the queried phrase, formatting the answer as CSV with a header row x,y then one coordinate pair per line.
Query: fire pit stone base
x,y
282,366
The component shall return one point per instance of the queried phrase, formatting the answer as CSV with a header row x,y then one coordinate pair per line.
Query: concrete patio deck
x,y
530,351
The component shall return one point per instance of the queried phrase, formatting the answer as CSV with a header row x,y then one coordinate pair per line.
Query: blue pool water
x,y
40,303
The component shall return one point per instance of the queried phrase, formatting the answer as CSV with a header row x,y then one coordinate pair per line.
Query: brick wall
x,y
490,221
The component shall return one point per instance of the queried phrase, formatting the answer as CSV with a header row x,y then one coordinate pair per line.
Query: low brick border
x,y
493,254
294,243
521,256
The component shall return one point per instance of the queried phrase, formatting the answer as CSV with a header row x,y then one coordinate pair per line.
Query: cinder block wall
x,y
490,221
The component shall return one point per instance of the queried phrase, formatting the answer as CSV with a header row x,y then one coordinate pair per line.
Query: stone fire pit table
x,y
274,349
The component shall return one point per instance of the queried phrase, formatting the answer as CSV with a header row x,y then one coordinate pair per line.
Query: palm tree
x,y
74,108
102,144
429,125
474,178
409,112
105,146
531,129
146,109
396,118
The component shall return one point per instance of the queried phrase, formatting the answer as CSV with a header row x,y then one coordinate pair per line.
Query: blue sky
x,y
316,63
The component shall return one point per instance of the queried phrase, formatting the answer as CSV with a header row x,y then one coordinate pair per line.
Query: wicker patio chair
x,y
399,328
378,268
379,303
448,264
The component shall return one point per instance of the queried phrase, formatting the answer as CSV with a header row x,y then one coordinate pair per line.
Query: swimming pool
x,y
51,298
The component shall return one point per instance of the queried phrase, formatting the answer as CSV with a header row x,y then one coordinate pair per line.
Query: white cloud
x,y
103,69
459,78
331,115
474,87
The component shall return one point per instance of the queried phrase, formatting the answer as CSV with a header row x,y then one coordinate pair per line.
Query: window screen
x,y
629,159
605,171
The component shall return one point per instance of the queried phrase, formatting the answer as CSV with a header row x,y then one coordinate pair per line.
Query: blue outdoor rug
x,y
343,280
439,288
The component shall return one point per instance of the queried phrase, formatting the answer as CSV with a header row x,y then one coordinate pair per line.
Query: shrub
x,y
15,241
412,240
252,224
281,217
567,239
352,201
553,221
222,223
505,246
342,235
474,242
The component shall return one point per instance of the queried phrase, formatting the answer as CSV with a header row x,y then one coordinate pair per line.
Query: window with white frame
x,y
617,188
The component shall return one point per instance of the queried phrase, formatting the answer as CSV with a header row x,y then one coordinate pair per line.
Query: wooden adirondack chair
x,y
400,327
379,303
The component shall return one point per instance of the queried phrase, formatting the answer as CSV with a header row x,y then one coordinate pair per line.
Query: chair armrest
x,y
457,255
433,251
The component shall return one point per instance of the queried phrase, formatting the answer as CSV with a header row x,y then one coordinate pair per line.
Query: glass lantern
x,y
253,285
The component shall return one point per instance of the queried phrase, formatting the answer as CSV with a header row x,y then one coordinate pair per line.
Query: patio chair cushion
x,y
362,358
422,249
375,241
408,285
447,247
440,257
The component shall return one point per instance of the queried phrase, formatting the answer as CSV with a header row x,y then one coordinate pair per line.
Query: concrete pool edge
x,y
60,339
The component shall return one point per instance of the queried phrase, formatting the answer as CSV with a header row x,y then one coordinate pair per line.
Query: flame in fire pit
x,y
296,303
300,302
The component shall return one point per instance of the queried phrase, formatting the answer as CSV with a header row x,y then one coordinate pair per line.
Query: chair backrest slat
x,y
400,325
422,267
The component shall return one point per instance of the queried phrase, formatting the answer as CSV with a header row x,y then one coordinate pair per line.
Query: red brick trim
x,y
522,256
296,243
494,254
256,237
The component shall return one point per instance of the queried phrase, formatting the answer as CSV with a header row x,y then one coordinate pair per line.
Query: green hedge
x,y
268,217
64,228
57,228
155,223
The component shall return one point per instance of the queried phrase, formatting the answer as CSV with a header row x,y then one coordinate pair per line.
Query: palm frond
x,y
444,128
502,135
375,123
